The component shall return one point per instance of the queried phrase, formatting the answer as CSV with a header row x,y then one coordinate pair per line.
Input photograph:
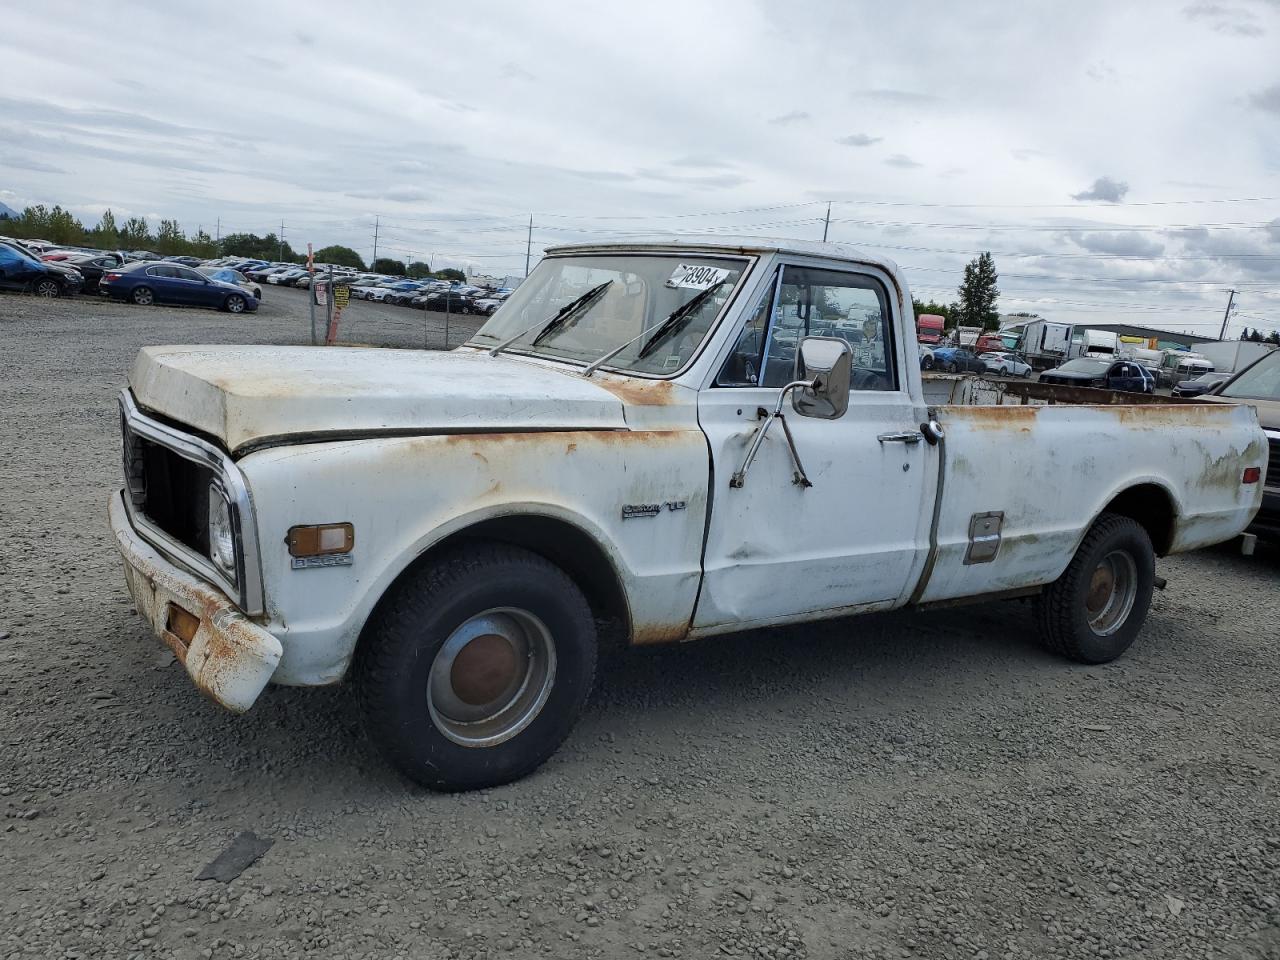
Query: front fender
x,y
404,495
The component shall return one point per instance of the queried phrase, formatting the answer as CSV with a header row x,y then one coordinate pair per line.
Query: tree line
x,y
60,226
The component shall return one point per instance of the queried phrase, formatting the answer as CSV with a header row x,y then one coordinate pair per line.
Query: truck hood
x,y
250,397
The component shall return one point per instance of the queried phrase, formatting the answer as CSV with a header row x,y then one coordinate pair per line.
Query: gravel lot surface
x,y
890,786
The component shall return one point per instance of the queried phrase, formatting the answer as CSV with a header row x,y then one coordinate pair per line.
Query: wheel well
x,y
568,547
1151,506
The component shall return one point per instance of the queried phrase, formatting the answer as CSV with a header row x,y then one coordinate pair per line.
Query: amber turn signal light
x,y
1252,475
321,539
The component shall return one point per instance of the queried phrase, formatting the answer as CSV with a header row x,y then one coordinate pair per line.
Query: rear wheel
x,y
1093,612
143,296
234,303
474,671
48,288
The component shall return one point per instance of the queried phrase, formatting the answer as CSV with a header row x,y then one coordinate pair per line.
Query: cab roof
x,y
727,244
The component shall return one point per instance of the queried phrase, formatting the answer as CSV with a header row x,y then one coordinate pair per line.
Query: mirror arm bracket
x,y
799,477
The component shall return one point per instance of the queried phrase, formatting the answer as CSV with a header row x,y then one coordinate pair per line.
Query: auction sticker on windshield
x,y
693,276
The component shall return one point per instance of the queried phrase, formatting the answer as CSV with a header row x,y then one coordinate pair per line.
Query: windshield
x,y
1259,382
644,291
1084,366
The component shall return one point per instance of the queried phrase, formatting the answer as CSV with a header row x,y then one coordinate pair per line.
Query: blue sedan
x,y
145,283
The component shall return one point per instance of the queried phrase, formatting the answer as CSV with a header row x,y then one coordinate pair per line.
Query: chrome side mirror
x,y
824,365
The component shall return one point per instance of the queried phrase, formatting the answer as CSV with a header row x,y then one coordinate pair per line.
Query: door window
x,y
166,272
815,302
182,273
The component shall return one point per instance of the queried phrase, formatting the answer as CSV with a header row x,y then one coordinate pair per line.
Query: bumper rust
x,y
228,657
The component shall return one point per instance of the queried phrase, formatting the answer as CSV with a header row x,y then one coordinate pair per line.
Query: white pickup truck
x,y
685,439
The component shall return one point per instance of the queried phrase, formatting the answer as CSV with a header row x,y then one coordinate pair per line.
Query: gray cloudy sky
x,y
1081,143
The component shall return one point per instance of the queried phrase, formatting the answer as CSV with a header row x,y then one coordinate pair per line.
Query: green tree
x,y
105,234
32,223
170,240
417,270
135,234
936,309
64,227
979,293
259,248
1273,337
395,268
202,245
340,256
449,273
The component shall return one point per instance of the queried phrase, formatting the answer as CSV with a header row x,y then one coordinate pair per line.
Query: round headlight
x,y
222,541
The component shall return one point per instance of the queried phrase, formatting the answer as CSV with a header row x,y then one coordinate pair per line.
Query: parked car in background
x,y
1127,375
958,360
1005,364
92,266
1175,369
227,275
1200,385
147,283
1258,385
445,301
22,270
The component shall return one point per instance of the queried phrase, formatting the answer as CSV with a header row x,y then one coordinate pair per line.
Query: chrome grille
x,y
1273,463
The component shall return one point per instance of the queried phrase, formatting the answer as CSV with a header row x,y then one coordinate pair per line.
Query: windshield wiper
x,y
562,317
673,323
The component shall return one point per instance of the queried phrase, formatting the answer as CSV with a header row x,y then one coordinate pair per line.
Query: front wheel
x,y
474,670
950,367
50,289
926,363
1093,612
234,303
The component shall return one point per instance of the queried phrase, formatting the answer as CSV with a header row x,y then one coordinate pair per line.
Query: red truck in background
x,y
929,328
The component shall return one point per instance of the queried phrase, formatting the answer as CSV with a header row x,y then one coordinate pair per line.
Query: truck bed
x,y
969,391
1049,459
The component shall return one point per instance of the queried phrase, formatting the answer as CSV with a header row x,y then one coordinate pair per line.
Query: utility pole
x,y
1227,315
826,224
376,222
217,231
280,252
528,246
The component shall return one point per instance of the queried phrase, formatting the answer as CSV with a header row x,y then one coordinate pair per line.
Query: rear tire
x,y
1093,612
475,669
142,296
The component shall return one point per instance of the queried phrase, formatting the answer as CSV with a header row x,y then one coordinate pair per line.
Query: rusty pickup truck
x,y
680,439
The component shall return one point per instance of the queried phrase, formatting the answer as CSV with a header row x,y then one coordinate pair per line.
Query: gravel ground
x,y
904,785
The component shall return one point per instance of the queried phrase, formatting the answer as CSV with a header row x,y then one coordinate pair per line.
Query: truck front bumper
x,y
229,657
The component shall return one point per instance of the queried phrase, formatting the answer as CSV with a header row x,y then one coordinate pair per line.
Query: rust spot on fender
x,y
638,392
653,634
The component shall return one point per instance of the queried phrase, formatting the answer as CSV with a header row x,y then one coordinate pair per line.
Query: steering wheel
x,y
868,380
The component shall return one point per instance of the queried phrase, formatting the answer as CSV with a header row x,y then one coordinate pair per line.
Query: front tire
x,y
234,304
950,367
474,670
1093,612
49,289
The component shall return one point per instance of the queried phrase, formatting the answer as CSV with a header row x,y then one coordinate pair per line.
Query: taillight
x,y
1251,475
111,276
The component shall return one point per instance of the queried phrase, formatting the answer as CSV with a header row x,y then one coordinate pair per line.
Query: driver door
x,y
855,540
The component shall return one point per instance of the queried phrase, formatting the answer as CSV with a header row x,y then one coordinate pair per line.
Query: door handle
x,y
906,436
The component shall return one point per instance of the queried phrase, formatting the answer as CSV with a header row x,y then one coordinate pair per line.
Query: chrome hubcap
x,y
492,677
1112,591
